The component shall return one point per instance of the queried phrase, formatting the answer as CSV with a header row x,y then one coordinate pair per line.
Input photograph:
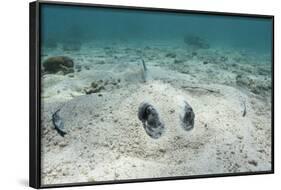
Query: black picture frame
x,y
35,89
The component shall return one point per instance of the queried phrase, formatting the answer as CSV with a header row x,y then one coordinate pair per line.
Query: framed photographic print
x,y
132,94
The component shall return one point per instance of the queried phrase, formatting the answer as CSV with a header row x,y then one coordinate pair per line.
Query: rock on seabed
x,y
59,63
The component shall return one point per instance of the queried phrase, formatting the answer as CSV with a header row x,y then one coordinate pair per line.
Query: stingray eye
x,y
187,117
150,118
143,111
148,110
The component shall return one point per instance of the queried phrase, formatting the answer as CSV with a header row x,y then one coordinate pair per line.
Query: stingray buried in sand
x,y
134,99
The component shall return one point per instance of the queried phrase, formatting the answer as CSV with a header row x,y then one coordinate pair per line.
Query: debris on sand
x,y
57,64
94,90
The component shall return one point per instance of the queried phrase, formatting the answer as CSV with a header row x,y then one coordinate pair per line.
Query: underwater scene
x,y
132,94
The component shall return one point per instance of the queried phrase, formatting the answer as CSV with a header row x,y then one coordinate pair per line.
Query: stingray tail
x,y
144,66
144,70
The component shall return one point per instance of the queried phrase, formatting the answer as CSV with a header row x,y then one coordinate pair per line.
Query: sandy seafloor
x,y
105,139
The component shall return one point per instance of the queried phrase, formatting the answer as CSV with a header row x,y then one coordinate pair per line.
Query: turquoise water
x,y
83,24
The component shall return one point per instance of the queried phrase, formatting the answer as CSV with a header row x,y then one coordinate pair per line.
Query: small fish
x,y
58,123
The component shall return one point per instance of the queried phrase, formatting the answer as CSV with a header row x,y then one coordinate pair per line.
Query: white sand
x,y
106,141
